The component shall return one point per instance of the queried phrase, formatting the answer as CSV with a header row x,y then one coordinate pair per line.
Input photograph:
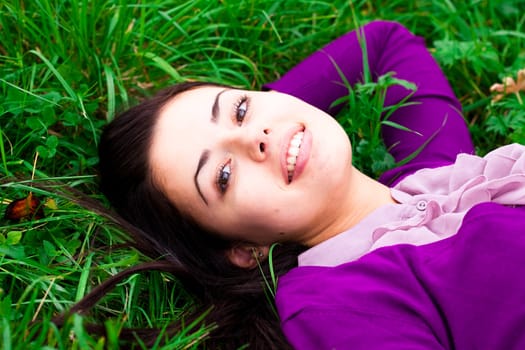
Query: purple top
x,y
461,292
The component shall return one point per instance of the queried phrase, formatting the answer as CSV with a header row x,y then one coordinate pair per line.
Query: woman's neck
x,y
363,196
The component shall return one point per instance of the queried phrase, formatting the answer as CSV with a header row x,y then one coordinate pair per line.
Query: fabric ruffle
x,y
450,191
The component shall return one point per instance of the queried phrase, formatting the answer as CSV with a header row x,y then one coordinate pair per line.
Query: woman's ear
x,y
247,255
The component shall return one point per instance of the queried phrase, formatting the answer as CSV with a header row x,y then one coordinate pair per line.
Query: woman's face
x,y
257,167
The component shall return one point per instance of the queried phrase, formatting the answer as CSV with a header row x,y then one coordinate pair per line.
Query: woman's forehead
x,y
182,133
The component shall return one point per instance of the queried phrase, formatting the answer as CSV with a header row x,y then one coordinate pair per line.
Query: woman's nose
x,y
252,142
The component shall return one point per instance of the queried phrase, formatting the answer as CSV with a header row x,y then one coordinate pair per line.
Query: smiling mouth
x,y
293,152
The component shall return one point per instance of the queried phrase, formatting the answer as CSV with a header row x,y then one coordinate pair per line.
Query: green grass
x,y
67,67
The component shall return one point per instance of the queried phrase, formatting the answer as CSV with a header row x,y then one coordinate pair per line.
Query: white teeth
x,y
293,152
296,142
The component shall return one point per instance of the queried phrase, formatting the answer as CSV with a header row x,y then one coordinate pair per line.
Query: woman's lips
x,y
295,152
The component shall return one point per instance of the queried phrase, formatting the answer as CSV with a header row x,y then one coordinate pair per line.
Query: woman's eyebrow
x,y
202,160
215,111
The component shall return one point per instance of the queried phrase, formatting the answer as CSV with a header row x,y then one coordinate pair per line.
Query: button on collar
x,y
421,205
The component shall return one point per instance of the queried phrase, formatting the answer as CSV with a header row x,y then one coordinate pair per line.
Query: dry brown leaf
x,y
509,86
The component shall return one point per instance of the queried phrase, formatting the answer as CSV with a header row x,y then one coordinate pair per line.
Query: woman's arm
x,y
436,116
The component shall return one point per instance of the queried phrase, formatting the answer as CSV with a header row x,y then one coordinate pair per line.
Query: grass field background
x,y
67,67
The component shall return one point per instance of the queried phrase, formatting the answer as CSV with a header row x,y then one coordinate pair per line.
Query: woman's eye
x,y
223,177
241,109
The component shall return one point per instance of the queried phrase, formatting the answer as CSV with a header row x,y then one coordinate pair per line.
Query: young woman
x,y
213,176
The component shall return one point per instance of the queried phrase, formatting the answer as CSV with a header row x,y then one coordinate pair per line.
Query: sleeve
x,y
351,330
372,303
435,115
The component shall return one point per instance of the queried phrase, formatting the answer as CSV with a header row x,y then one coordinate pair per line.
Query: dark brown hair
x,y
240,306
